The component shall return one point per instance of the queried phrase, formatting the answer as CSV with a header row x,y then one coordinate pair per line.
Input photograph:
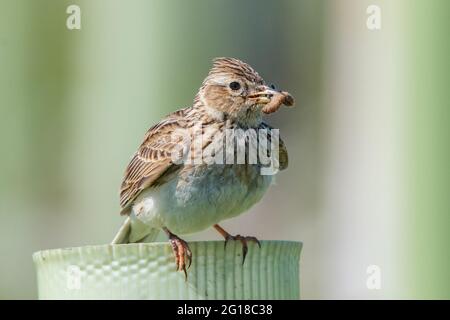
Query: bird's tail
x,y
123,234
133,231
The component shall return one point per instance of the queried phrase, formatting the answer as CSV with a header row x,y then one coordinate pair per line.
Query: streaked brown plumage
x,y
219,105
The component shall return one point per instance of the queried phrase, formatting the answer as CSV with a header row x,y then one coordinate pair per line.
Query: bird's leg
x,y
181,251
242,239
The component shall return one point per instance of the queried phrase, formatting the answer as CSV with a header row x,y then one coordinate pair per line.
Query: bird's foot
x,y
243,239
183,254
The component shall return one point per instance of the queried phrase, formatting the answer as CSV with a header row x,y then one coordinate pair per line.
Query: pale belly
x,y
200,198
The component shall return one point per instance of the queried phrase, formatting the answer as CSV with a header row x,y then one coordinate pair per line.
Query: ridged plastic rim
x,y
146,271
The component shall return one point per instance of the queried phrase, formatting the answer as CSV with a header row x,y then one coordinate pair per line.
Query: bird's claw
x,y
244,240
182,253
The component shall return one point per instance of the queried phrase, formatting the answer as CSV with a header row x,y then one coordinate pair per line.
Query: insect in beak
x,y
271,98
263,95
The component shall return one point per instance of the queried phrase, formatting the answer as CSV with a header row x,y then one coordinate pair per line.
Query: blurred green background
x,y
368,182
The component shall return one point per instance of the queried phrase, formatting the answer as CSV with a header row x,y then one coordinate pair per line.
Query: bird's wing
x,y
153,158
283,153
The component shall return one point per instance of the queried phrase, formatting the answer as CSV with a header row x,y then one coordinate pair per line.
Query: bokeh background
x,y
368,182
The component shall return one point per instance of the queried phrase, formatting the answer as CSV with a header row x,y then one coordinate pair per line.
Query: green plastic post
x,y
147,271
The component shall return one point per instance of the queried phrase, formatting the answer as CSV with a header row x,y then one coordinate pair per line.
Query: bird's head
x,y
235,90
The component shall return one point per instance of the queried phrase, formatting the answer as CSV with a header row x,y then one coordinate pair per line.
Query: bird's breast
x,y
199,196
217,192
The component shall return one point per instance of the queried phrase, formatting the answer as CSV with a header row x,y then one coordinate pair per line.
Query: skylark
x,y
168,187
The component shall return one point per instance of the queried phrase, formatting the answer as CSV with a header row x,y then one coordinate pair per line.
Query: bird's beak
x,y
271,99
263,95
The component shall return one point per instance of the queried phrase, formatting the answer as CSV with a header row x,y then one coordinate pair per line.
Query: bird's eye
x,y
235,85
272,86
